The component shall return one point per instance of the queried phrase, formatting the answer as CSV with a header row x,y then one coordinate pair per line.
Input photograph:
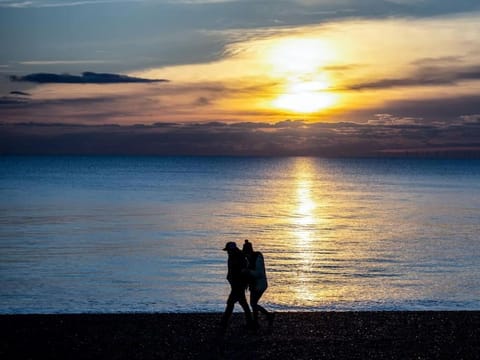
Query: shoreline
x,y
294,335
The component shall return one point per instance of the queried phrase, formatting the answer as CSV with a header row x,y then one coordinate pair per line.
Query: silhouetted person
x,y
236,276
257,282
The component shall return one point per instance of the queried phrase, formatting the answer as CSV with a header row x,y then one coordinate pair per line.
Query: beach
x,y
294,335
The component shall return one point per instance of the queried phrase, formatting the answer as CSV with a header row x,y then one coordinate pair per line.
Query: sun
x,y
299,63
304,103
305,96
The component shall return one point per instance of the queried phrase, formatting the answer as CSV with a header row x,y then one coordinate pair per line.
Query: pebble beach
x,y
294,335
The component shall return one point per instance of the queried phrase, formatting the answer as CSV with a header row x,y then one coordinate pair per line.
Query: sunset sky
x,y
239,77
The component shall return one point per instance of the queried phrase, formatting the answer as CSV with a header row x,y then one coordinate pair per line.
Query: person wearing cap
x,y
236,276
257,281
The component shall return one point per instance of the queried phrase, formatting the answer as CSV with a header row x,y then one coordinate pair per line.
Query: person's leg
x,y
269,315
262,310
242,300
228,310
254,297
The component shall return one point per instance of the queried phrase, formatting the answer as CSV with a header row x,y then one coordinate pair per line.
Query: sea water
x,y
130,234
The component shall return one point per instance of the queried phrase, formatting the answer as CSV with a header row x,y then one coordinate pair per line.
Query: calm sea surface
x,y
127,234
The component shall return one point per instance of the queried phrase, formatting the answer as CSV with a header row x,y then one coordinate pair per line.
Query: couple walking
x,y
246,269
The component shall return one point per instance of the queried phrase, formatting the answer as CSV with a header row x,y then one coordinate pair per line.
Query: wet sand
x,y
311,335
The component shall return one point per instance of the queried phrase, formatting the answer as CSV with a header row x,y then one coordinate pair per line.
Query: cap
x,y
230,246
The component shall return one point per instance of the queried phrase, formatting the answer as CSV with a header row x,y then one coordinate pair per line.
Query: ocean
x,y
145,234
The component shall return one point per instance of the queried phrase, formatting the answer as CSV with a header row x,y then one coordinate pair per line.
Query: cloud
x,y
471,119
65,62
440,60
443,109
70,3
189,33
389,119
10,101
21,93
286,138
202,101
424,76
58,3
85,78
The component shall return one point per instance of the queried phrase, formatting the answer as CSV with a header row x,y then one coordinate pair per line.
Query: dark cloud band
x,y
389,137
19,93
85,78
425,76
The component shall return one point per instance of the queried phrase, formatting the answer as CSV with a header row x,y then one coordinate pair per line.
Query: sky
x,y
240,77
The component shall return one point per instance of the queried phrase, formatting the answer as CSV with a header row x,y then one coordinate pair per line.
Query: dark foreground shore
x,y
313,335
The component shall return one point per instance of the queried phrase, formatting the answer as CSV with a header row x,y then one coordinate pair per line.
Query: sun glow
x,y
296,56
299,62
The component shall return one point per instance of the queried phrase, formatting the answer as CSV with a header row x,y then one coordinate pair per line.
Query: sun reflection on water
x,y
305,204
305,223
319,254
